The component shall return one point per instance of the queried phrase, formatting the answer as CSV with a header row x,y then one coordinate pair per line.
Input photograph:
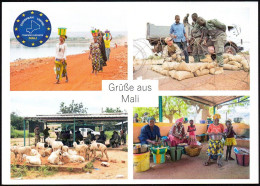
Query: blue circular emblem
x,y
32,28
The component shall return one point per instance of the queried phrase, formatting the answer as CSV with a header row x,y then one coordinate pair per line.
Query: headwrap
x,y
167,39
216,116
150,119
179,120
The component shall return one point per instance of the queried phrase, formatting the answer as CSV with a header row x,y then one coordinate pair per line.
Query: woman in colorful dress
x,y
177,134
95,55
60,59
216,141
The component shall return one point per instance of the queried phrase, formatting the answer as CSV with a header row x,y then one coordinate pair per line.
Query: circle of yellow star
x,y
48,28
46,20
40,41
18,36
32,12
40,14
23,15
16,28
46,36
18,20
23,41
32,44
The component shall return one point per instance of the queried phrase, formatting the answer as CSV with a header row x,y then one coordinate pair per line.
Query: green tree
x,y
16,121
152,111
112,110
73,108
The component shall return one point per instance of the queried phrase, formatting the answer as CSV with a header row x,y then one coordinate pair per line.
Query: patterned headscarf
x,y
216,116
179,120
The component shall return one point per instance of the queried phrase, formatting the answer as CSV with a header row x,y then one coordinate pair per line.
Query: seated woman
x,y
102,138
216,141
150,132
177,134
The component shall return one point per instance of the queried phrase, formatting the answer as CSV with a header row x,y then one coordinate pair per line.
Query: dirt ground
x,y
38,74
99,172
193,168
229,80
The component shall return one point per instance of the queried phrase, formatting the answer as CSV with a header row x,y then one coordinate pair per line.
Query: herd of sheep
x,y
58,154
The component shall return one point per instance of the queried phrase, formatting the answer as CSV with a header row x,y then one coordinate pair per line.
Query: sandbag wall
x,y
182,70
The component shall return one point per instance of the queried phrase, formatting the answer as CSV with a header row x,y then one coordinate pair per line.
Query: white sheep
x,y
34,152
34,160
100,147
65,148
54,144
40,145
73,158
81,149
45,152
21,150
72,152
54,158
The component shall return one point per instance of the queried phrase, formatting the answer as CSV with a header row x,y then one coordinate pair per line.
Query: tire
x,y
230,49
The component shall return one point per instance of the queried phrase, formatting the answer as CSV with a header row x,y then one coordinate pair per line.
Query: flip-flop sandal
x,y
206,163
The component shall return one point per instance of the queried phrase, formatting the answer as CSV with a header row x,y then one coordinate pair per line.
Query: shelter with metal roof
x,y
78,119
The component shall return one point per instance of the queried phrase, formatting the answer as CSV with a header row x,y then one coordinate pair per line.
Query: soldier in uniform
x,y
170,49
217,31
123,136
37,134
199,50
102,138
115,139
88,138
46,133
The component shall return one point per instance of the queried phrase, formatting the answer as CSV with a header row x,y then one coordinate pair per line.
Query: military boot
x,y
196,59
219,58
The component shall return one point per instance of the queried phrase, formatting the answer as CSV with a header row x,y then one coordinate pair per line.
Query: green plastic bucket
x,y
176,153
159,154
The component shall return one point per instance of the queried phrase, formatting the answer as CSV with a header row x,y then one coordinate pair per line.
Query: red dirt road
x,y
38,74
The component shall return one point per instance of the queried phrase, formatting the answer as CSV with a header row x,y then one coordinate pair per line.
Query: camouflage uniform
x,y
217,31
199,50
37,135
168,51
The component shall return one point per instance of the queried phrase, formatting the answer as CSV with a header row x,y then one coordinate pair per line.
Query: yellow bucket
x,y
142,162
62,31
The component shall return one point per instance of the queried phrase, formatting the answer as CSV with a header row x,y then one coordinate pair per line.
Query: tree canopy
x,y
73,108
16,121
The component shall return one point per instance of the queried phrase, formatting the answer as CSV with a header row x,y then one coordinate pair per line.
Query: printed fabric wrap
x,y
215,147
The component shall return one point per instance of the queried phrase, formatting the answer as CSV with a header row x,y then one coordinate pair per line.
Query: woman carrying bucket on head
x,y
216,141
95,52
60,57
150,132
177,134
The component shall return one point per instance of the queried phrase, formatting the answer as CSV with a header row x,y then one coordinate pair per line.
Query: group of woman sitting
x,y
150,133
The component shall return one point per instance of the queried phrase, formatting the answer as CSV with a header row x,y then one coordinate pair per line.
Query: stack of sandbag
x,y
207,59
180,75
191,59
217,70
236,62
159,69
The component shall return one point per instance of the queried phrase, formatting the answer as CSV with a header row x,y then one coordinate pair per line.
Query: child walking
x,y
192,137
230,139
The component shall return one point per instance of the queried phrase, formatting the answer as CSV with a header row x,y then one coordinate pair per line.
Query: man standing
x,y
37,134
46,133
199,50
177,32
107,45
217,31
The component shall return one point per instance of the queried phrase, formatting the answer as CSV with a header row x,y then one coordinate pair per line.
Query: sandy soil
x,y
99,172
193,168
229,80
38,74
